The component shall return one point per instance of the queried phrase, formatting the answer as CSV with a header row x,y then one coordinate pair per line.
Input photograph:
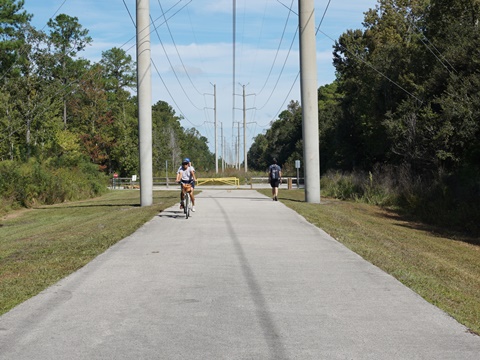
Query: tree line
x,y
406,92
405,100
404,106
58,107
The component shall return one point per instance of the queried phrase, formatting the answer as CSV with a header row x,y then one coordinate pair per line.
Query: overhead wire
x,y
285,100
281,71
289,8
260,36
323,17
374,69
194,34
174,72
242,35
298,74
128,10
234,40
63,88
176,76
156,25
184,117
450,68
382,74
434,47
176,49
278,50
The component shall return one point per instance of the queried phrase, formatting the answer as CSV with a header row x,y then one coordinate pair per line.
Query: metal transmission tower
x,y
308,71
223,148
244,110
215,123
144,87
245,128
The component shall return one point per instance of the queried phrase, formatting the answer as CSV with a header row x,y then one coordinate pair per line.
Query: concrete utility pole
x,y
238,146
308,72
223,148
244,131
144,88
215,120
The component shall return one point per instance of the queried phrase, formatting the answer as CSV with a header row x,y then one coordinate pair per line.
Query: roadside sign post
x,y
115,177
166,172
297,166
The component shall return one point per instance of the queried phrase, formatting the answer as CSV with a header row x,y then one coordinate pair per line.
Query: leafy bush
x,y
340,186
30,183
444,200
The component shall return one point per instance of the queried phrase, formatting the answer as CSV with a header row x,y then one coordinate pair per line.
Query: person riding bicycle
x,y
191,166
186,175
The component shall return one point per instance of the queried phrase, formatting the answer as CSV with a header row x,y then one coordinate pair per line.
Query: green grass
x,y
443,268
40,246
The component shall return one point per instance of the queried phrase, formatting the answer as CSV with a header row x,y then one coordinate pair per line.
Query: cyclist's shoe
x,y
193,208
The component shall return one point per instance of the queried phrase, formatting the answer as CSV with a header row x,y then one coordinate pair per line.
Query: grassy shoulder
x,y
443,269
40,246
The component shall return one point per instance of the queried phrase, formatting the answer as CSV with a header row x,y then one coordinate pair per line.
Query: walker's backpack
x,y
274,172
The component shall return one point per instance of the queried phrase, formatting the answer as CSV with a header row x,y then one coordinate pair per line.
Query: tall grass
x,y
451,201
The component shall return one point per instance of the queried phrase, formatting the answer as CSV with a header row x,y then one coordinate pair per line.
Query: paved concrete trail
x,y
243,278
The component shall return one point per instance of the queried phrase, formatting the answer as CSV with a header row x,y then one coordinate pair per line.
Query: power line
x,y
289,8
283,68
433,53
286,97
234,24
156,26
128,10
375,69
323,17
158,72
278,50
171,96
260,36
176,49
174,72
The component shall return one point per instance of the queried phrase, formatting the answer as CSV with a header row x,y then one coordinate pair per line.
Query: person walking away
x,y
274,178
186,175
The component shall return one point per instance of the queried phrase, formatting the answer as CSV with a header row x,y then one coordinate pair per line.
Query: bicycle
x,y
187,207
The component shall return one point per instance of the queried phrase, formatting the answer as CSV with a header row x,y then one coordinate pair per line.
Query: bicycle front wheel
x,y
187,205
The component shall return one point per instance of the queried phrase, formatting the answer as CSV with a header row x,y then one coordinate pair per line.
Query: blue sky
x,y
195,51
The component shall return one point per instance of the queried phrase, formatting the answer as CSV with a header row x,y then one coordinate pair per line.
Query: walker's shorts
x,y
274,183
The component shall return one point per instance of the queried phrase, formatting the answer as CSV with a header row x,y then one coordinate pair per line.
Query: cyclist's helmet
x,y
186,161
